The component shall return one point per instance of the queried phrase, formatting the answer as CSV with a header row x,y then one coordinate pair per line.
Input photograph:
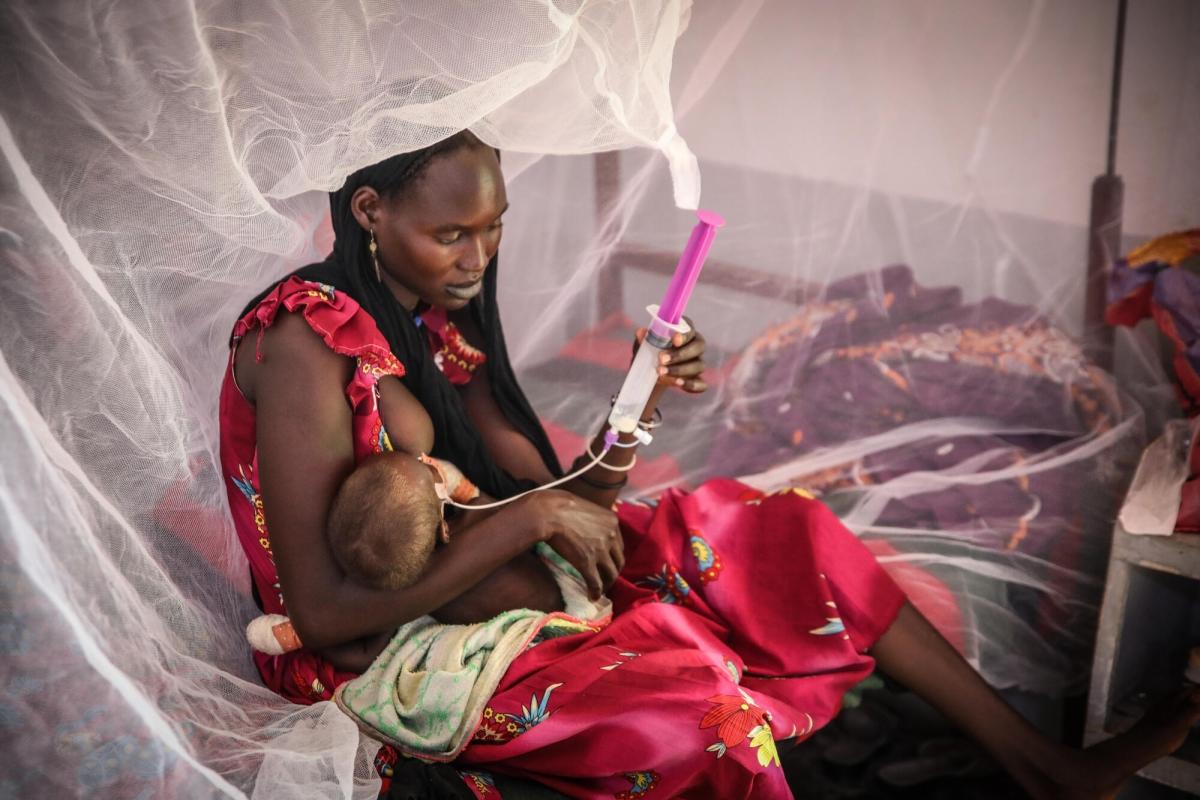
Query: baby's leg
x,y
274,635
914,653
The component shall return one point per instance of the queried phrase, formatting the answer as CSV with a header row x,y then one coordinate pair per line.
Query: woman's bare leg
x,y
915,654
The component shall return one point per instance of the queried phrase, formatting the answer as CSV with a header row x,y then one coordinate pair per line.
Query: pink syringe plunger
x,y
664,321
688,269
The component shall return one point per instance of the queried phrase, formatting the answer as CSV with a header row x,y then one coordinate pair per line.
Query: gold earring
x,y
375,258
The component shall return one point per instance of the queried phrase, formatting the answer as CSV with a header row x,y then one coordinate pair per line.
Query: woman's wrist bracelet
x,y
595,484
655,420
610,467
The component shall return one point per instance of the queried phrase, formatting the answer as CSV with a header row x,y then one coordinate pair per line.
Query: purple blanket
x,y
1017,445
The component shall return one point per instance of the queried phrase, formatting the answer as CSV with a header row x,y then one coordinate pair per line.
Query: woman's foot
x,y
1098,772
914,653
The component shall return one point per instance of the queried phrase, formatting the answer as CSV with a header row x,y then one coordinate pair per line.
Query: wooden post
x,y
1104,225
1104,247
610,284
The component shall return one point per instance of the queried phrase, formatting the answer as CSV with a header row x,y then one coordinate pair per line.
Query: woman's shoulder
x,y
291,293
341,324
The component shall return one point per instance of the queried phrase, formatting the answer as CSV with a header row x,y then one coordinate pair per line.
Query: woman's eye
x,y
450,238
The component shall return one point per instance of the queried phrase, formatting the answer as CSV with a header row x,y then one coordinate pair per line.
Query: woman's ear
x,y
364,205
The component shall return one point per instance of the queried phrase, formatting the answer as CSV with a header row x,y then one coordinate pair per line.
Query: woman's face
x,y
436,238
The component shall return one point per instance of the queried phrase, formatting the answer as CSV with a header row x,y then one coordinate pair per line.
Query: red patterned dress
x,y
740,619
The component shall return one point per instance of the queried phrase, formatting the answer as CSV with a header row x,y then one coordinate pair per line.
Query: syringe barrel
x,y
639,383
643,374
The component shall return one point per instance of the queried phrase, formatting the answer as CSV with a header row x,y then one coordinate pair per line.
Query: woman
x,y
739,619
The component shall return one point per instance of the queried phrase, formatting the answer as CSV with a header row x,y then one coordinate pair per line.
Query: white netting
x,y
164,161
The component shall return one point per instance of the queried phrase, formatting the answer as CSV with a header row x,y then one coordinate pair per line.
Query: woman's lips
x,y
465,291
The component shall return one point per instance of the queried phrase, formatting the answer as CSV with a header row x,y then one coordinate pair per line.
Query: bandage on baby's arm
x,y
272,634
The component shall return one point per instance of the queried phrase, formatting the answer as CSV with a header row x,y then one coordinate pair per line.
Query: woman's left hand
x,y
682,364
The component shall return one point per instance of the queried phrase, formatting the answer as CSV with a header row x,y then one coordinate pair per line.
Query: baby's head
x,y
385,521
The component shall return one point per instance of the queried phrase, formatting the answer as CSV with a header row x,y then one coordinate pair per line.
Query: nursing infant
x,y
382,494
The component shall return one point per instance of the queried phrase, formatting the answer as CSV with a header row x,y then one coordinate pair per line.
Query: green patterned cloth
x,y
426,691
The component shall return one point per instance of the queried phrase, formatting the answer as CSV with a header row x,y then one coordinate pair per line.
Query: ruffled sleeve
x,y
340,321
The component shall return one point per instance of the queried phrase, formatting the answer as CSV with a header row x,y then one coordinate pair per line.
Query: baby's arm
x,y
274,635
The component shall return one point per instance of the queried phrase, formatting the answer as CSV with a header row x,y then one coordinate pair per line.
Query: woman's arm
x,y
681,366
683,369
305,450
517,455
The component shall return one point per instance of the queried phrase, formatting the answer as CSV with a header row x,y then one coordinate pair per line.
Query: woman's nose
x,y
477,256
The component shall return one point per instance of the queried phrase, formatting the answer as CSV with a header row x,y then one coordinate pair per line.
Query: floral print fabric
x,y
740,620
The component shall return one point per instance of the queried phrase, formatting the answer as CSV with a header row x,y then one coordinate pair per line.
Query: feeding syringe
x,y
666,319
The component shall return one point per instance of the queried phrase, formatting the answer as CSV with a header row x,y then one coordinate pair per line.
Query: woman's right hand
x,y
585,534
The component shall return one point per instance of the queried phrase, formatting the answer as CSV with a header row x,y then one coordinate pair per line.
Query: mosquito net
x,y
894,310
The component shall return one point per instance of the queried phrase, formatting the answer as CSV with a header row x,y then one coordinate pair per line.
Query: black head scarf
x,y
349,269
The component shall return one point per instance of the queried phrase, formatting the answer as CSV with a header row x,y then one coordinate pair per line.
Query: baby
x,y
364,535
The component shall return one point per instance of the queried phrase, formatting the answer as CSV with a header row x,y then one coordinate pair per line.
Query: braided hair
x,y
349,269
